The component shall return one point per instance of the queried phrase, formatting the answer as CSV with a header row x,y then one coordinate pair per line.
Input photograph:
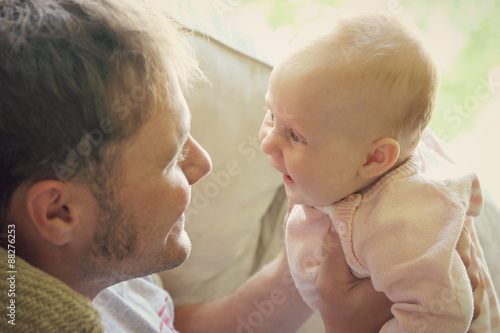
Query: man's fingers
x,y
289,209
477,279
470,257
290,206
346,303
333,262
464,247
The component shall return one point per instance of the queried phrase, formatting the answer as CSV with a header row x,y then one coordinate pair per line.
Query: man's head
x,y
84,84
352,103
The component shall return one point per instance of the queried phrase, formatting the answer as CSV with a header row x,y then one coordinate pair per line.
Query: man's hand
x,y
352,305
348,304
470,257
289,210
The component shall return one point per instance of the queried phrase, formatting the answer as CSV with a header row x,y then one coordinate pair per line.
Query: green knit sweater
x,y
37,302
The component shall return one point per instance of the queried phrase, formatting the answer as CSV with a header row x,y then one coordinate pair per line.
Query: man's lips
x,y
178,226
181,221
288,180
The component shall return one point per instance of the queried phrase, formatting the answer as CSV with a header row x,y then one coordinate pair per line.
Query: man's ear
x,y
382,155
50,210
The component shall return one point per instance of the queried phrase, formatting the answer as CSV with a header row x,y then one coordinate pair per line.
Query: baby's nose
x,y
266,144
269,143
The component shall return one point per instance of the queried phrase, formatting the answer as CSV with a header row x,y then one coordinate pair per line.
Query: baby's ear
x,y
381,156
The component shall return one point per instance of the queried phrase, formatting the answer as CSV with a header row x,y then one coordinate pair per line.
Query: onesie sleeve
x,y
409,250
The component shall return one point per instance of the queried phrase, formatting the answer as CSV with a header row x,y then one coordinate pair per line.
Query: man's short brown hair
x,y
77,76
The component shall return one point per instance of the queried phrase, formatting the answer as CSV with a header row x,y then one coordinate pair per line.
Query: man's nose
x,y
197,164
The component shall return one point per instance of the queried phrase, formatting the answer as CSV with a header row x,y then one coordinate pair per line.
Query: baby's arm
x,y
414,262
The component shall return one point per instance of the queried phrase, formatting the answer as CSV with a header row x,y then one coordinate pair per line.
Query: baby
x,y
347,114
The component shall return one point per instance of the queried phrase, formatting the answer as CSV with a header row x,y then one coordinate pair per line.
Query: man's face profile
x,y
140,222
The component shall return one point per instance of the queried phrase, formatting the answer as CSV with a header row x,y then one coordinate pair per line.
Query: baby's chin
x,y
304,200
297,199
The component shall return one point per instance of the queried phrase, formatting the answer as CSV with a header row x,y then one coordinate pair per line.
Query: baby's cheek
x,y
321,191
309,184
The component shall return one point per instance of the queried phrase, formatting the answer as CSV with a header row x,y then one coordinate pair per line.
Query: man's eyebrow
x,y
185,129
170,154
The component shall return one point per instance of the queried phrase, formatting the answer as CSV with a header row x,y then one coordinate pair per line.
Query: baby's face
x,y
314,136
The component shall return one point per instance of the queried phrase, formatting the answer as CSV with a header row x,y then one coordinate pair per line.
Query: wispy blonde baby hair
x,y
388,69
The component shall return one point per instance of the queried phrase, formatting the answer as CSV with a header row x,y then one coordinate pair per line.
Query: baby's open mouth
x,y
288,180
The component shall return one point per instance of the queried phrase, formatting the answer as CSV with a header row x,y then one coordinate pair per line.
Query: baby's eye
x,y
270,116
295,137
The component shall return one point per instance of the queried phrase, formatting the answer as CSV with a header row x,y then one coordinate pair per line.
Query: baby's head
x,y
347,107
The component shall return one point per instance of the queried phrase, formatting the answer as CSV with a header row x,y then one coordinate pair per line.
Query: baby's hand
x,y
348,304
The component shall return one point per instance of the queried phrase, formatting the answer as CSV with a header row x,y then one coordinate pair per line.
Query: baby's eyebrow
x,y
292,124
285,122
288,123
266,101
